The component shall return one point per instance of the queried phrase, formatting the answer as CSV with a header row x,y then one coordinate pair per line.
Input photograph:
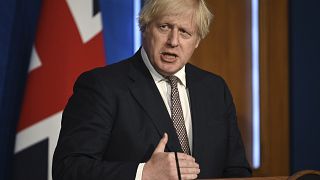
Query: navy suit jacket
x,y
116,117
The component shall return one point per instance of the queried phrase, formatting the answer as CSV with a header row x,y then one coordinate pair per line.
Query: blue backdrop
x,y
118,29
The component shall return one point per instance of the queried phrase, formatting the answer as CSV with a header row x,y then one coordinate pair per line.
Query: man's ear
x,y
198,42
144,31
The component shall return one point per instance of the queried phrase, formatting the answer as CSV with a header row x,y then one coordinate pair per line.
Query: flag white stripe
x,y
48,128
34,60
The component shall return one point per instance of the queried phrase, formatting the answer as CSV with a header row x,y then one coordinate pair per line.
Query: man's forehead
x,y
186,19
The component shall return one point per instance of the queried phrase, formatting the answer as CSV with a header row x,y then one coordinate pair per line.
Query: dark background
x,y
304,66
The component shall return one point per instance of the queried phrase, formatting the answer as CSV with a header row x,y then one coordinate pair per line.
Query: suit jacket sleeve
x,y
86,129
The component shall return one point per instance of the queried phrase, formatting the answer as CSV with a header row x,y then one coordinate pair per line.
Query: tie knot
x,y
173,80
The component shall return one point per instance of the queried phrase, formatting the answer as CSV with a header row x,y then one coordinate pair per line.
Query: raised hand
x,y
162,165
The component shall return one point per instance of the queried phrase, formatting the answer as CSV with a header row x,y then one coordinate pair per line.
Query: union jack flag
x,y
68,42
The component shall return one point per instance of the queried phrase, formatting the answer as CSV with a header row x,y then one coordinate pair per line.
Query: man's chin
x,y
168,69
168,72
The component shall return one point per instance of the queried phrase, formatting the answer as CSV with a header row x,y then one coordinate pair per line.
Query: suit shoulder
x,y
209,82
114,72
110,70
200,75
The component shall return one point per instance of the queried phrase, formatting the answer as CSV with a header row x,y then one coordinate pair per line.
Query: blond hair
x,y
153,9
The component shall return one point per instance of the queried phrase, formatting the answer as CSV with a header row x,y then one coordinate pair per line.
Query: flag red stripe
x,y
63,57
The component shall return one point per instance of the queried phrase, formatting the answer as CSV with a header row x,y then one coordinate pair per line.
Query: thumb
x,y
162,144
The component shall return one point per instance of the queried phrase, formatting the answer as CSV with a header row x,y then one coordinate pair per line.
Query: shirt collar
x,y
157,77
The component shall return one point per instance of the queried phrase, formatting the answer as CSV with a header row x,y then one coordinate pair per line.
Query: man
x,y
127,120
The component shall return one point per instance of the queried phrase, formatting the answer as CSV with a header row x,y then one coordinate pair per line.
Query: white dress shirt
x,y
165,91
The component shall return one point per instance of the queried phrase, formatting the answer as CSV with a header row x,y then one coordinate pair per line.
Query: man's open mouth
x,y
169,55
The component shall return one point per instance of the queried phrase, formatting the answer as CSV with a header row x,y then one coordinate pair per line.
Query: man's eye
x,y
164,27
185,33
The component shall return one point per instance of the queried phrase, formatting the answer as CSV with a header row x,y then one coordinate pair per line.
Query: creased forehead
x,y
185,21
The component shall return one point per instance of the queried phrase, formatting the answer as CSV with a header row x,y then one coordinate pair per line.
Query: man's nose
x,y
173,38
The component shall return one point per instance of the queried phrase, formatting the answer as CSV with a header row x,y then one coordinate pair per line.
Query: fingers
x,y
189,173
188,164
189,176
162,144
163,164
182,156
189,169
185,160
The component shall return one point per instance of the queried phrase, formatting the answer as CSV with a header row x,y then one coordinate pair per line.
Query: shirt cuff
x,y
139,171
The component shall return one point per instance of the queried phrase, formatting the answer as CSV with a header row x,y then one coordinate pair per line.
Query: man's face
x,y
170,41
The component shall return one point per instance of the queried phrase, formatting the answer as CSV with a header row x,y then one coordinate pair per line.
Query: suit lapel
x,y
146,93
197,120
